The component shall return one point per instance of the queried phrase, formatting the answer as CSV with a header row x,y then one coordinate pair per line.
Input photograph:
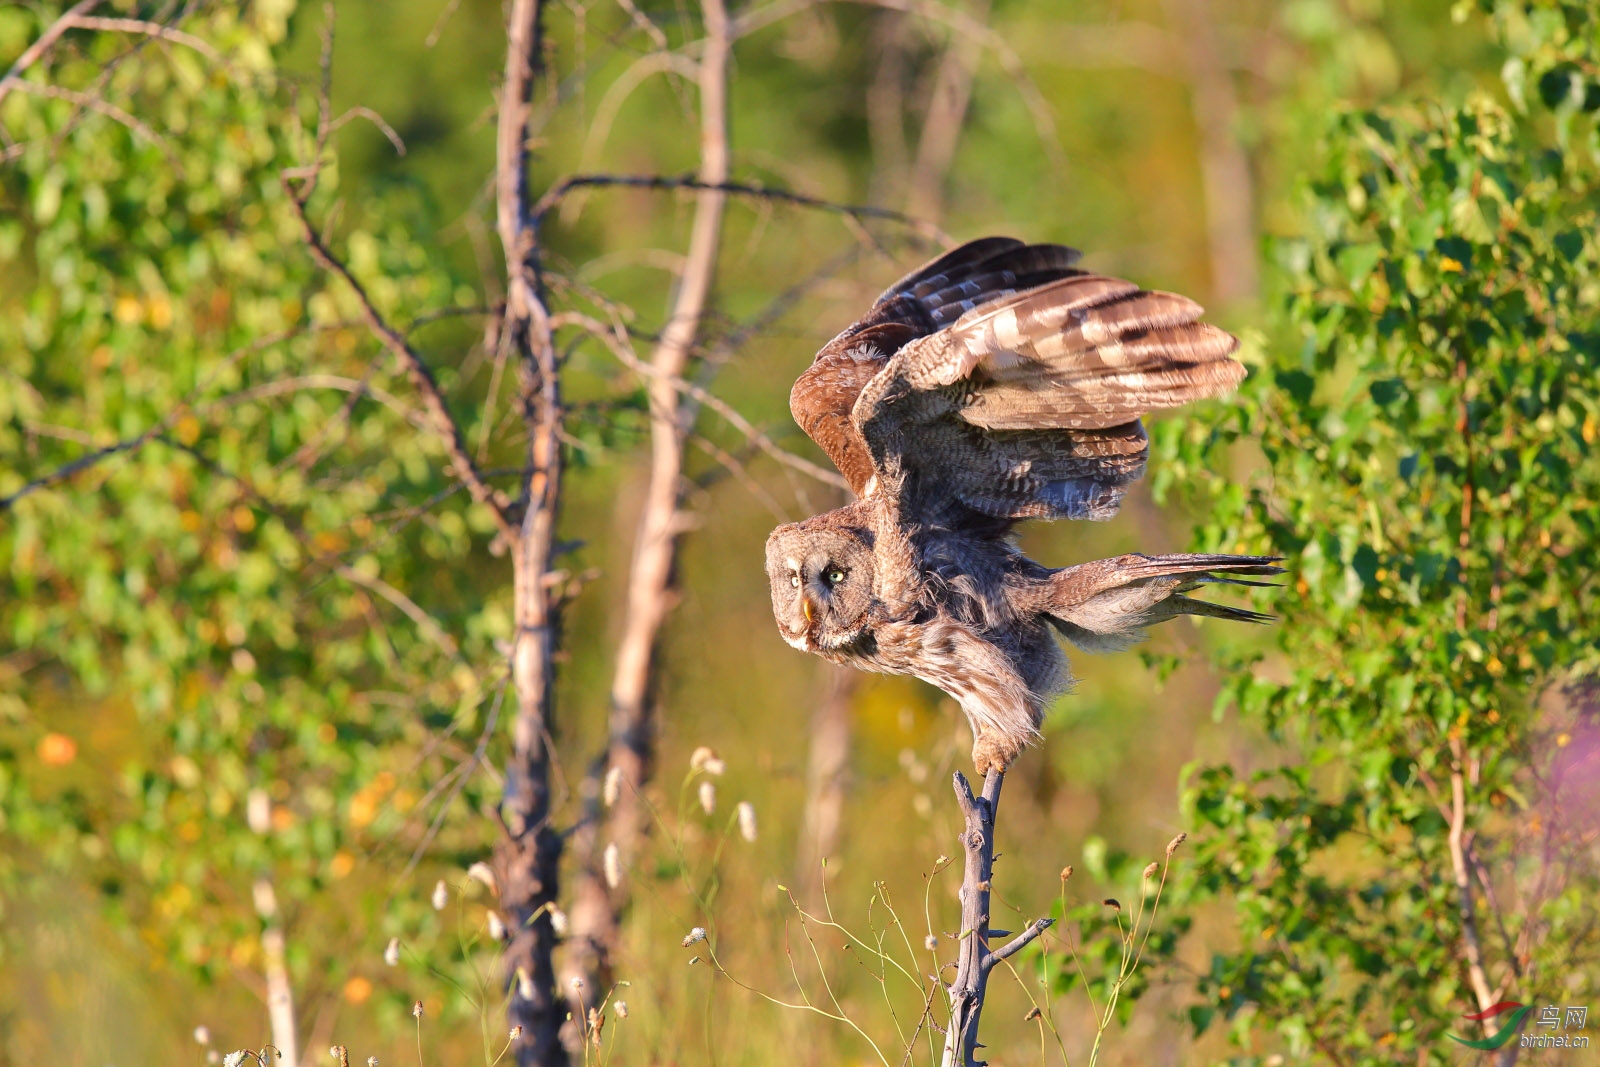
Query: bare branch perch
x,y
975,961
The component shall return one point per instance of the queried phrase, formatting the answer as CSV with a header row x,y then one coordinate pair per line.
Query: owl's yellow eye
x,y
794,580
835,576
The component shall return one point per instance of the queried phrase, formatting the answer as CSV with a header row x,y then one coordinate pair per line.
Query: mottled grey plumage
x,y
994,384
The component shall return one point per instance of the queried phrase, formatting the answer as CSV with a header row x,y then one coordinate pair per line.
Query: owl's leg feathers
x,y
1003,709
1106,605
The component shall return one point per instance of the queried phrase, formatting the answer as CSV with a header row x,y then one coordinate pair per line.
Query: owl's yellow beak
x,y
805,609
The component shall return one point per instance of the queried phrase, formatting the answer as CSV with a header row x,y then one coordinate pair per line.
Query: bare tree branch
x,y
941,127
623,351
444,425
36,51
760,192
90,102
280,993
1472,948
410,608
149,29
962,24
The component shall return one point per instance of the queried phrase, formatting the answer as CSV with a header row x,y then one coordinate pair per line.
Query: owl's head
x,y
821,574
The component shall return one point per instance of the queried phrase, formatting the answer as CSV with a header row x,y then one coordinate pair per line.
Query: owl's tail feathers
x,y
1106,606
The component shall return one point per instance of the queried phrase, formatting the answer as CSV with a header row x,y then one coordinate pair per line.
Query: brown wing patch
x,y
826,391
928,299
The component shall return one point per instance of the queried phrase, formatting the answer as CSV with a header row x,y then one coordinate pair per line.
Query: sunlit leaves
x,y
1429,479
247,592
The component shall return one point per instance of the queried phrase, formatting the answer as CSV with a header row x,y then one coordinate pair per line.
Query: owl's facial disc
x,y
821,585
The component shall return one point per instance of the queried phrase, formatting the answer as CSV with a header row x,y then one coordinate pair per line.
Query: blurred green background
x,y
1122,128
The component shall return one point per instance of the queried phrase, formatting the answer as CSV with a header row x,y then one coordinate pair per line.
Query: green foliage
x,y
1428,424
224,588
216,657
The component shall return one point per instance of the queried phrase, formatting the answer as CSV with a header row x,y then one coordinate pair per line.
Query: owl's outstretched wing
x,y
927,300
1027,405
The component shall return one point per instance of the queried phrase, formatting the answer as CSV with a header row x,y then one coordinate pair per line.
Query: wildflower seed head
x,y
497,927
613,787
1066,872
516,1032
930,942
213,1056
416,1009
708,797
611,865
747,820
235,1058
558,922
524,984
1172,846
1033,1014
481,872
578,983
695,936
1150,871
441,895
202,1035
622,1009
1111,902
706,759
391,952
372,1061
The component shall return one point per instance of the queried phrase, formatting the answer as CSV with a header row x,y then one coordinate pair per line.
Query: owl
x,y
996,383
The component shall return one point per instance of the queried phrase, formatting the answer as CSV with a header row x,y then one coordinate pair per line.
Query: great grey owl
x,y
996,383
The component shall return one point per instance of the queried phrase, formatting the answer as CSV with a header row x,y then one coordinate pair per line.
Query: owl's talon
x,y
991,753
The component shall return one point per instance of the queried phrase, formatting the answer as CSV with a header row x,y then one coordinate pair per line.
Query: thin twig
x,y
761,192
622,349
149,29
46,40
1471,946
109,110
444,425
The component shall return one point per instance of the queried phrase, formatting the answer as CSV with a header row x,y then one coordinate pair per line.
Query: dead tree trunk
x,y
630,748
1224,165
528,855
827,772
945,119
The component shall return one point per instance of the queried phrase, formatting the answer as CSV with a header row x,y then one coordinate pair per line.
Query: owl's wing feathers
x,y
1027,405
923,302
